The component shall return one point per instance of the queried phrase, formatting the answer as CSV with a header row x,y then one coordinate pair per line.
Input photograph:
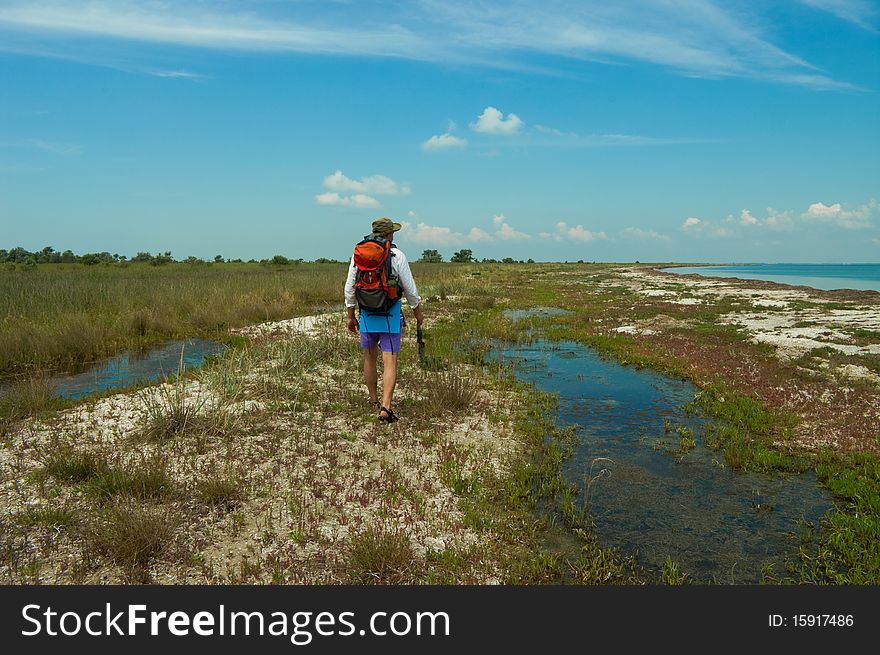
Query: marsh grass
x,y
848,551
61,315
25,397
379,555
131,534
671,574
746,430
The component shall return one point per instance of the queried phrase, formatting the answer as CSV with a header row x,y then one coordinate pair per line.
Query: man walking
x,y
377,277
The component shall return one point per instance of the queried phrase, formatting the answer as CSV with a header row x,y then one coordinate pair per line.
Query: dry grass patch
x,y
130,535
379,555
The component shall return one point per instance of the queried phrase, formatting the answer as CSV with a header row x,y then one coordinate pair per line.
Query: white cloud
x,y
444,142
777,220
577,233
379,185
856,219
507,233
695,226
746,218
492,121
444,236
477,235
433,235
358,200
364,189
638,233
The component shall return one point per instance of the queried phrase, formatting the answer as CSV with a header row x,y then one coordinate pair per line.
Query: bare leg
x,y
389,377
371,376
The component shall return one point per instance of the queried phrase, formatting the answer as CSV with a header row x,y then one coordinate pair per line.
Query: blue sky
x,y
679,130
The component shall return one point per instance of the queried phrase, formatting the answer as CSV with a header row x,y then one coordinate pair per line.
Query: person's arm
x,y
350,300
408,285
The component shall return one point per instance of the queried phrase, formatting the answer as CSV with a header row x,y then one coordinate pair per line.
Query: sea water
x,y
864,277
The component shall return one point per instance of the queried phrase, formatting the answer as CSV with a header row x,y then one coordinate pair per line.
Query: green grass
x,y
219,491
849,539
60,315
50,517
67,464
746,431
139,480
381,556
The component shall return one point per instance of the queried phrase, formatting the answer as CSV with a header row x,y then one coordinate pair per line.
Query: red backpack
x,y
375,287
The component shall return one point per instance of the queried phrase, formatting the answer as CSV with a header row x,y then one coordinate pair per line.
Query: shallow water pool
x,y
131,367
715,523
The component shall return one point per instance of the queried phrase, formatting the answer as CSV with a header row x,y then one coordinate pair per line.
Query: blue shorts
x,y
388,342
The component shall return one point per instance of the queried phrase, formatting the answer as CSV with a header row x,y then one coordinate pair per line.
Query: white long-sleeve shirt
x,y
399,268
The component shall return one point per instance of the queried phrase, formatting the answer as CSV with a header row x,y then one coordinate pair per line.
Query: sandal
x,y
390,417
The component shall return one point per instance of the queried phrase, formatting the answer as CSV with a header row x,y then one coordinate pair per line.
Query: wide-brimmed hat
x,y
385,225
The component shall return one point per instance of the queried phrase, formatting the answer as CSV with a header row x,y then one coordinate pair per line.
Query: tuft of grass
x,y
170,414
381,556
447,392
66,463
671,573
51,517
138,480
543,567
218,492
130,535
686,439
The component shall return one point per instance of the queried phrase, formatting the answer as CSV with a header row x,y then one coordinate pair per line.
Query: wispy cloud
x,y
554,138
563,232
697,227
54,147
444,142
178,74
358,200
860,12
639,233
380,185
434,235
817,216
690,37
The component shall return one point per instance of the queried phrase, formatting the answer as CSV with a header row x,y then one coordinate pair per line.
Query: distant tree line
x,y
49,255
466,256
